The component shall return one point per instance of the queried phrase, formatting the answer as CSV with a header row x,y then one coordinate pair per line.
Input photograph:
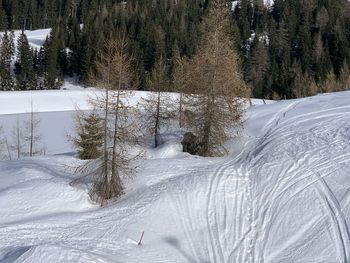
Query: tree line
x,y
294,48
291,49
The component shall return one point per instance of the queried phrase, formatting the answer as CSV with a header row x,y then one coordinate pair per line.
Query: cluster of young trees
x,y
212,93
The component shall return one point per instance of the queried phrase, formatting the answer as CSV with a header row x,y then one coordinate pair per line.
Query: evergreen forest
x,y
294,48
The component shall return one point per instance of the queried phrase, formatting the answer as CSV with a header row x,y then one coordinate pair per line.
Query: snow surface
x,y
55,109
36,38
281,196
267,3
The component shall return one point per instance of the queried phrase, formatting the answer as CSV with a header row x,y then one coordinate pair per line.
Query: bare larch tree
x,y
157,107
215,86
114,74
33,137
178,81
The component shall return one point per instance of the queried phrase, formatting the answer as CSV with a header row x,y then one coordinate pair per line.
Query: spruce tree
x,y
50,60
90,137
3,18
258,66
24,70
7,50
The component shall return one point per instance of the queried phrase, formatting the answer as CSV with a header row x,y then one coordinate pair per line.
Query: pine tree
x,y
3,18
25,74
258,66
89,141
7,50
51,61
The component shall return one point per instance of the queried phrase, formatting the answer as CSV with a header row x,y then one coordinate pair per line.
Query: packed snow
x,y
282,195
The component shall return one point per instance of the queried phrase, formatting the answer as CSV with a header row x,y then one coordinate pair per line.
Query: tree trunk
x,y
18,141
156,126
31,131
205,151
115,179
180,111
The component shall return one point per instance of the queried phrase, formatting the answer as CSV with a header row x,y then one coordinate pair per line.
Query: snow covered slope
x,y
267,3
36,38
283,196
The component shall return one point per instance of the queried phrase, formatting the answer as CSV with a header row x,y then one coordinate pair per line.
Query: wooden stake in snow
x,y
140,242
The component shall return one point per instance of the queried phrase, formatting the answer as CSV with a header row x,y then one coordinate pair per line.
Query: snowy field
x,y
283,194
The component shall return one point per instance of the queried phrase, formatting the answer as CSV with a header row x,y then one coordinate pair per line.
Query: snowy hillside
x,y
36,38
283,195
268,3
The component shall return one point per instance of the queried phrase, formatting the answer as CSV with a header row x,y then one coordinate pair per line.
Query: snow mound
x,y
32,190
169,149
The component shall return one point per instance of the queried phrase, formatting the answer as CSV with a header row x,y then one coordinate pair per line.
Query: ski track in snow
x,y
272,194
284,198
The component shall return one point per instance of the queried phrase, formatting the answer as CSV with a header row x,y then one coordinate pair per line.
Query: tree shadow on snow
x,y
174,242
13,254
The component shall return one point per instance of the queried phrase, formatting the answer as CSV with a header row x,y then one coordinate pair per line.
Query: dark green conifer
x,y
25,75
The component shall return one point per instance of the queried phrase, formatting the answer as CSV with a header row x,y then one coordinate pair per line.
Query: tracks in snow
x,y
282,174
224,208
335,212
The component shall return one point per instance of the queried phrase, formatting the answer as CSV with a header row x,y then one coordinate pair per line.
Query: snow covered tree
x,y
215,85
